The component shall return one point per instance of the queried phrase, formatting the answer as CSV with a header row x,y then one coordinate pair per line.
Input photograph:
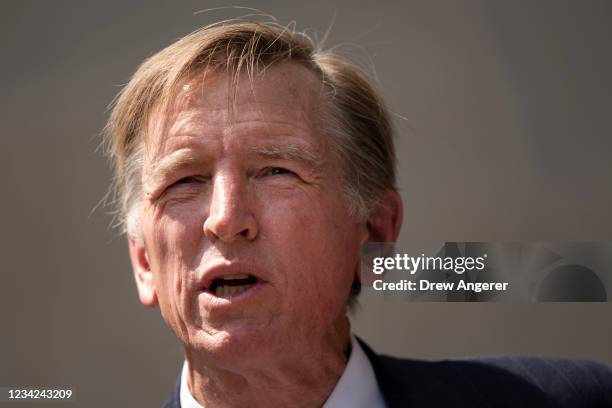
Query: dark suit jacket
x,y
512,382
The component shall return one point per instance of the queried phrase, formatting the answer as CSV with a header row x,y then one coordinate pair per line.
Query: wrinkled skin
x,y
252,187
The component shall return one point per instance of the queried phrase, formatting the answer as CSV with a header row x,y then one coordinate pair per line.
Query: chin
x,y
233,340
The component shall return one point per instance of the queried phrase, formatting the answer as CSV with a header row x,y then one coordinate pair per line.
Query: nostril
x,y
230,225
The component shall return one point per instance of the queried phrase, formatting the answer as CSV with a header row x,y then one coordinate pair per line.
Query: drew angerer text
x,y
425,285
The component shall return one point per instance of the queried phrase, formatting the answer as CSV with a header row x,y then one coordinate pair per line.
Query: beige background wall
x,y
507,137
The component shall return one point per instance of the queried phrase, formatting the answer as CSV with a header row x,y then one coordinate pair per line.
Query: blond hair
x,y
357,121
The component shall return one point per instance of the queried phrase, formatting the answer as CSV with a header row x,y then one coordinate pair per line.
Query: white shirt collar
x,y
356,388
187,400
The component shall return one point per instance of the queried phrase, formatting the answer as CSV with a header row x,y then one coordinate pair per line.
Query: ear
x,y
385,222
142,272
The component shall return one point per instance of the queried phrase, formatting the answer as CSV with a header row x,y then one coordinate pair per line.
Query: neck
x,y
303,374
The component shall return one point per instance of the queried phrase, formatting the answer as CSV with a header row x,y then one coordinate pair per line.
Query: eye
x,y
186,180
276,171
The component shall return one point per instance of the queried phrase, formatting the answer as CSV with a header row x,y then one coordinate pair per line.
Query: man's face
x,y
247,242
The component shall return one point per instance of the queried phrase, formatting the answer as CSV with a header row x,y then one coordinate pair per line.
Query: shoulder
x,y
493,381
560,376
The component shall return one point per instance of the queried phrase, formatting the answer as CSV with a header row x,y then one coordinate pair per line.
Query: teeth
x,y
239,276
224,290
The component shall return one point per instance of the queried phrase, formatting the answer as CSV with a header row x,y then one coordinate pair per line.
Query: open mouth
x,y
231,285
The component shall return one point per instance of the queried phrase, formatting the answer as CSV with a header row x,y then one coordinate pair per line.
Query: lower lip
x,y
209,300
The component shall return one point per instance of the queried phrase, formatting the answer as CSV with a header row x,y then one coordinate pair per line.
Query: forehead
x,y
283,95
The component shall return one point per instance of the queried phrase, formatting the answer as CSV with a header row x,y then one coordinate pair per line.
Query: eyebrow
x,y
290,152
169,164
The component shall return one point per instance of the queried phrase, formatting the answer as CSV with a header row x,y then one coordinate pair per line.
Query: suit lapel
x,y
175,398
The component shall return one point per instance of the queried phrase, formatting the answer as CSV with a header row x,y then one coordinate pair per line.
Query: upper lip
x,y
227,268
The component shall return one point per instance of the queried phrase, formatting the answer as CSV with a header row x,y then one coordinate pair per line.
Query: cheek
x,y
177,228
316,241
173,243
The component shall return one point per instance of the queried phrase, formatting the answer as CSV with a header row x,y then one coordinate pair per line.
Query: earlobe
x,y
142,273
385,222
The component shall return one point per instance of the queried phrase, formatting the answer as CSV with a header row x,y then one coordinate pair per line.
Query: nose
x,y
229,216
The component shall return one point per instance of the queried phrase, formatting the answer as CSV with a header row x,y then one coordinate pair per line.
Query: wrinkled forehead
x,y
287,91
